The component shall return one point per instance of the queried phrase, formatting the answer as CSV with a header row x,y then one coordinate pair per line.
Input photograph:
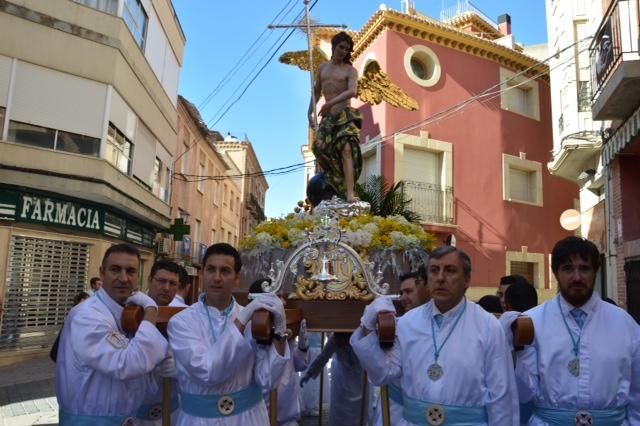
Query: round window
x,y
422,65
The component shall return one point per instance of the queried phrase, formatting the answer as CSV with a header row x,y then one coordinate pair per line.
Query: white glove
x,y
370,316
303,338
273,304
167,367
245,314
141,299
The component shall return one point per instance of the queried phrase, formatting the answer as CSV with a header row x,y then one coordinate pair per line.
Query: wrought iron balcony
x,y
434,203
615,64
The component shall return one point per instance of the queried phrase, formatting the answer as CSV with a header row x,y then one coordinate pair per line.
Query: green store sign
x,y
33,208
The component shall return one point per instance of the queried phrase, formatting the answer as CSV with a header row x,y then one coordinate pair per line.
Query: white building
x,y
88,124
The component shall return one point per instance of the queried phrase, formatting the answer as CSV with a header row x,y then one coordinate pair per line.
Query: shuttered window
x,y
43,276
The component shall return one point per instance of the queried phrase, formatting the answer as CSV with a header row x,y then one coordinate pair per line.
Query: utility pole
x,y
307,24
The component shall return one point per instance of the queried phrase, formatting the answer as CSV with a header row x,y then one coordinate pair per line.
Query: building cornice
x,y
430,30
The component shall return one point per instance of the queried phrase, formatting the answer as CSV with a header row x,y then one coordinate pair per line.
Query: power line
x,y
220,115
447,113
243,59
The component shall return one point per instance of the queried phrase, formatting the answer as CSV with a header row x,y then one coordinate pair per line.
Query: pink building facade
x,y
475,168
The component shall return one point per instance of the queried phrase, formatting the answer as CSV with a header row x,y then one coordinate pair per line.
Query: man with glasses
x,y
584,365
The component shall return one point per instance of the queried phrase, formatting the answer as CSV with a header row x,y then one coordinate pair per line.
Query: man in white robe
x,y
584,365
414,292
179,300
450,356
163,283
221,370
102,375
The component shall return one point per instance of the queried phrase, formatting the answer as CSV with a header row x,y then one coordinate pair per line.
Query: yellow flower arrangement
x,y
364,233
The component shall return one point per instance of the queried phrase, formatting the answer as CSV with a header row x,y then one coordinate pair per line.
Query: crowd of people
x,y
452,362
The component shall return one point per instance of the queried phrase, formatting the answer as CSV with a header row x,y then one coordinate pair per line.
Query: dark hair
x,y
93,280
256,286
423,273
166,265
521,296
224,249
570,247
339,38
445,250
491,304
408,275
512,279
80,297
185,279
120,248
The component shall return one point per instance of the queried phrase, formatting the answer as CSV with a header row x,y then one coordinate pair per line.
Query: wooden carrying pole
x,y
273,407
384,401
166,401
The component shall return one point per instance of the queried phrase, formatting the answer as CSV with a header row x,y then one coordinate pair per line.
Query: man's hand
x,y
326,109
370,316
167,367
141,299
273,304
303,338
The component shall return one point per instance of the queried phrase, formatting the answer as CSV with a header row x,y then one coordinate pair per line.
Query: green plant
x,y
386,200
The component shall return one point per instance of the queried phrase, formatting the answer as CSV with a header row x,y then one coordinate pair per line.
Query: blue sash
x,y
207,405
144,412
415,411
68,419
561,417
395,394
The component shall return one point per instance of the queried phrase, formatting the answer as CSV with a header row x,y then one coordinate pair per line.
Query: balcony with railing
x,y
434,203
615,63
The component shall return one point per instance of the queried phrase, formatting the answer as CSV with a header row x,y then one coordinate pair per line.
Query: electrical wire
x,y
245,57
447,113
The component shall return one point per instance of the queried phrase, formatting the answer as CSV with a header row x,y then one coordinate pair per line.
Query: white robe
x,y
395,410
228,365
478,370
100,372
609,360
289,391
178,302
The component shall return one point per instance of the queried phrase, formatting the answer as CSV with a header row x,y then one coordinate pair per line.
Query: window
x,y
136,19
522,181
229,237
422,65
425,165
43,137
230,201
109,6
157,171
196,232
213,236
2,115
224,195
216,192
119,149
584,96
519,95
166,194
185,158
201,179
529,265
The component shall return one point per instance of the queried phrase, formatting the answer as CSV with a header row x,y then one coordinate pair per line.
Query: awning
x,y
621,138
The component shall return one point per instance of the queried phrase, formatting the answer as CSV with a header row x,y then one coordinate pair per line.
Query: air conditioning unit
x,y
164,246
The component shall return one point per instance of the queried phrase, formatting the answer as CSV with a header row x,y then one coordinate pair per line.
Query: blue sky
x,y
272,111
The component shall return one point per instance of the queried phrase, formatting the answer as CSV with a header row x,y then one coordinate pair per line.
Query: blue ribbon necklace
x,y
224,313
435,371
574,364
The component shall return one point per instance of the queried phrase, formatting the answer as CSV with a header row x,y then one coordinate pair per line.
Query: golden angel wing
x,y
301,59
375,87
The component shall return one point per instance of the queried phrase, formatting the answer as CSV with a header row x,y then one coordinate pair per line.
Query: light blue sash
x,y
68,419
415,411
143,413
207,405
395,394
560,417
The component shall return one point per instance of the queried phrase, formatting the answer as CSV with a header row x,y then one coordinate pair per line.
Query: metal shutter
x,y
42,278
